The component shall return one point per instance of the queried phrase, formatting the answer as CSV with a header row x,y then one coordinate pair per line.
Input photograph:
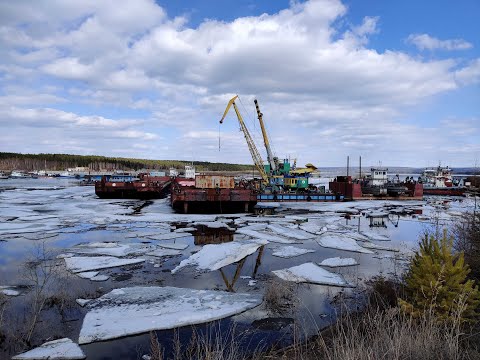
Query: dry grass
x,y
281,297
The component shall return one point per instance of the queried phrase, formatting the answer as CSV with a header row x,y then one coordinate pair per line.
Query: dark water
x,y
55,215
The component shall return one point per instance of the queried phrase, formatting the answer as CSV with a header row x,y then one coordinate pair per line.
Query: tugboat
x,y
439,181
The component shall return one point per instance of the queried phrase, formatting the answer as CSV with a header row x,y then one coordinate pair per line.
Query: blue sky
x,y
395,82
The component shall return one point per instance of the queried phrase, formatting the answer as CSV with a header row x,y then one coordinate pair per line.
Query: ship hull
x,y
446,191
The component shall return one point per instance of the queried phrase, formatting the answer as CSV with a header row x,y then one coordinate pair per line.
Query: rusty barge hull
x,y
299,197
195,200
447,191
146,188
353,191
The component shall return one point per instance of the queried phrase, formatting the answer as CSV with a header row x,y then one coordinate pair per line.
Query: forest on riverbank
x,y
60,162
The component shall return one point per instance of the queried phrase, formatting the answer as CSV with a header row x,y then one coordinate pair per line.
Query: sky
x,y
396,82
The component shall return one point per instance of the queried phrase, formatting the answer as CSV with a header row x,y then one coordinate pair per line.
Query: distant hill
x,y
60,162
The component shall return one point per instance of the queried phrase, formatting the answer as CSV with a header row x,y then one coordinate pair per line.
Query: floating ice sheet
x,y
164,252
173,245
9,291
373,235
290,232
311,273
215,256
168,236
56,349
370,245
84,263
263,236
290,251
341,242
338,262
213,225
137,310
112,249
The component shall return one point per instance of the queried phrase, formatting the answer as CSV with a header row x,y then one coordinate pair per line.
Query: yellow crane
x,y
272,160
257,158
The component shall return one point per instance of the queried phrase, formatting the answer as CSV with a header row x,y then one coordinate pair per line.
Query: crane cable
x,y
218,136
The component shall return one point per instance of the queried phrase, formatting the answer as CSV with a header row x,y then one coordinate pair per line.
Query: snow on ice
x,y
290,251
262,236
136,310
83,263
215,256
311,273
340,242
290,232
56,349
338,262
164,252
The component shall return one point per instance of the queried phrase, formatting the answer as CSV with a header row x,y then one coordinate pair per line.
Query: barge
x,y
439,181
354,190
129,187
212,194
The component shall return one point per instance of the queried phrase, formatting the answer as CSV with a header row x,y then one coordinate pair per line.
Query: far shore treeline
x,y
60,162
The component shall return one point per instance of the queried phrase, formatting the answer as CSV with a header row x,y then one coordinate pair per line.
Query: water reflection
x,y
205,235
238,270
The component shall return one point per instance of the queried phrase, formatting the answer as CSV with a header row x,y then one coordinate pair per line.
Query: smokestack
x,y
348,164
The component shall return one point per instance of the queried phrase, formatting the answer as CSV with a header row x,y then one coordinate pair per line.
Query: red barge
x,y
212,194
127,187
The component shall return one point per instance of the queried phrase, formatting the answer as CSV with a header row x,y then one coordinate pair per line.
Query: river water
x,y
51,216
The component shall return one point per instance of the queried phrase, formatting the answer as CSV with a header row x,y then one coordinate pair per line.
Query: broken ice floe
x,y
112,249
370,245
372,235
290,251
168,236
164,252
262,236
215,256
173,245
338,262
213,225
311,273
56,349
9,291
342,243
83,263
252,283
93,275
290,232
136,310
83,302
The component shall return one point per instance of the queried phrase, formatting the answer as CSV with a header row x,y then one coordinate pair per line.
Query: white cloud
x,y
427,42
319,87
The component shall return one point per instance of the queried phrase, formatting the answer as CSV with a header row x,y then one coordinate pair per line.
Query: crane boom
x,y
270,158
257,159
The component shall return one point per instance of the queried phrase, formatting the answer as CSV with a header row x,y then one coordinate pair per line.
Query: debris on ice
x,y
311,273
338,262
136,310
342,243
56,349
290,251
215,256
85,263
